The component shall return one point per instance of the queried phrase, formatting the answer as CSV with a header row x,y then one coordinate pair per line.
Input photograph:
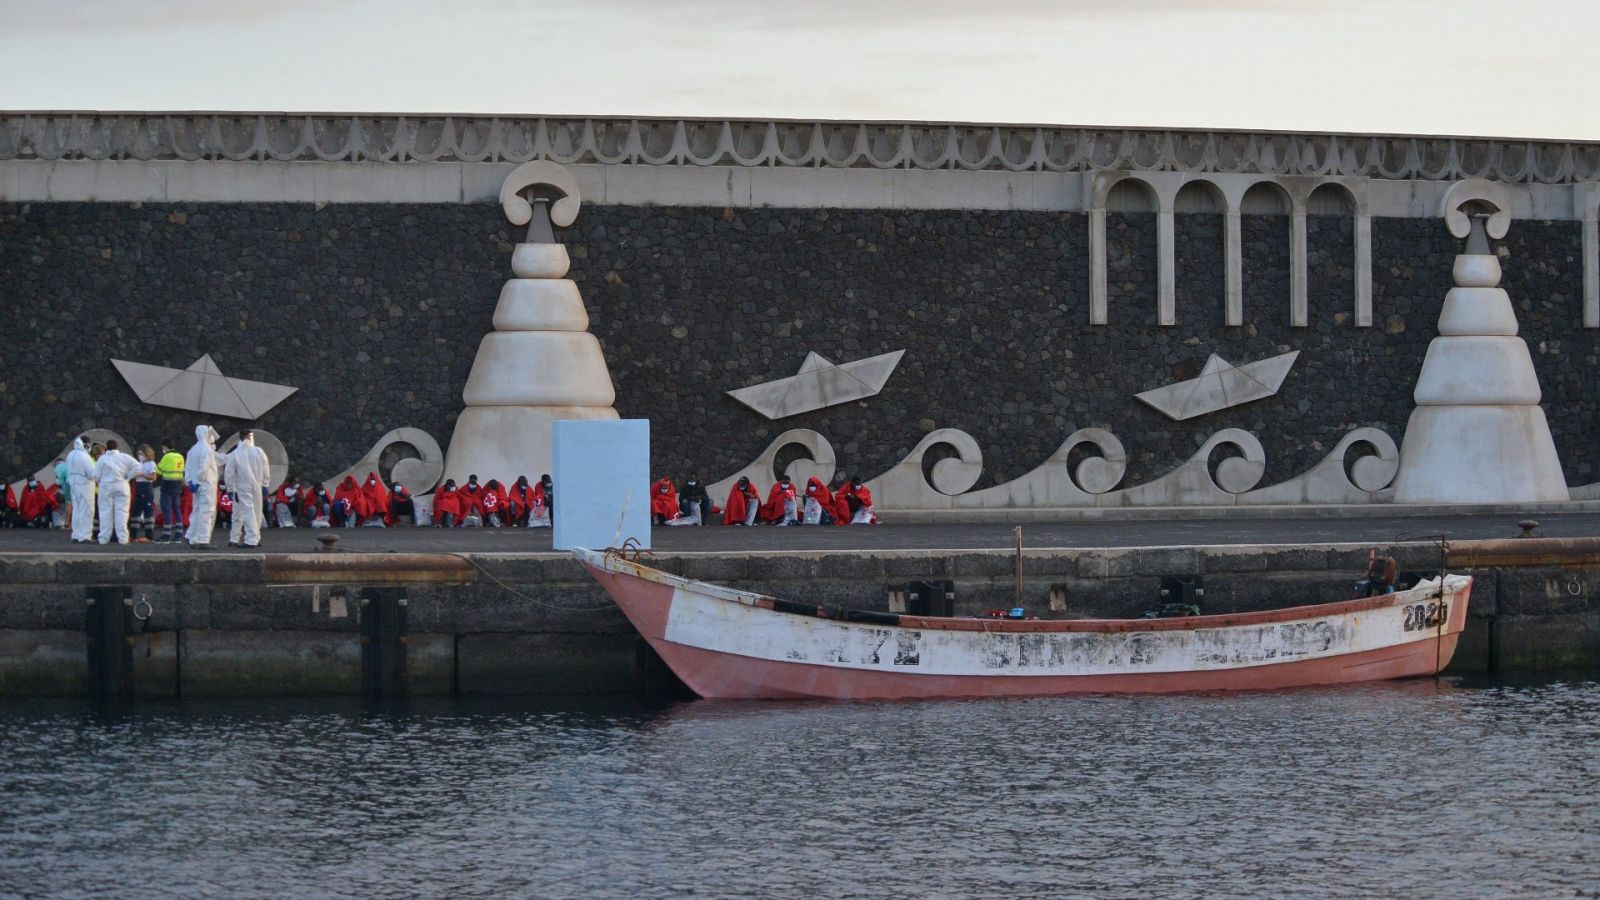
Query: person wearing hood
x,y
112,472
246,472
34,504
203,470
819,503
860,500
493,504
318,506
471,499
543,494
349,503
377,501
744,503
80,487
10,513
519,502
663,501
447,505
782,506
841,503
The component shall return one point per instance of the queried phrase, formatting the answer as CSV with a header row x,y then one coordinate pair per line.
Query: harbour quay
x,y
411,612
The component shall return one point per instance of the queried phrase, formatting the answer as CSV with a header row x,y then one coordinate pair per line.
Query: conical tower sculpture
x,y
1478,434
540,364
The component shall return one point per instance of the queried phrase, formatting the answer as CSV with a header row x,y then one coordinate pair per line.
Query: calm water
x,y
1443,789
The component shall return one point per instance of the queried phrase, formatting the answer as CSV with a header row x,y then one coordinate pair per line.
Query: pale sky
x,y
1469,67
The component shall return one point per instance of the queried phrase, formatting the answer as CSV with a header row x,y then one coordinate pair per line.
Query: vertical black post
x,y
383,642
109,626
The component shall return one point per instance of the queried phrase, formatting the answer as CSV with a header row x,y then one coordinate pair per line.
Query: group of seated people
x,y
493,505
850,503
369,504
32,505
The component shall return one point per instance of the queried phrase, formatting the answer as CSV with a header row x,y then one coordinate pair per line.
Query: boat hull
x,y
727,644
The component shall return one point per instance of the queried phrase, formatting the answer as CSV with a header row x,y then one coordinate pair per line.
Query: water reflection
x,y
1448,787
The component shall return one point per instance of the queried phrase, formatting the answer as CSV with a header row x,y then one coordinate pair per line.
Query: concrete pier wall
x,y
536,624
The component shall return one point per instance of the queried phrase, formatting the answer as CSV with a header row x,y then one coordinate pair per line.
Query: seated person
x,y
819,503
519,502
287,503
447,505
543,495
401,505
224,506
493,504
694,507
318,507
472,502
782,506
663,501
349,503
860,502
376,513
35,504
743,505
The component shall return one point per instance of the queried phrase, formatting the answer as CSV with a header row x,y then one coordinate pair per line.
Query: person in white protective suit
x,y
80,483
202,469
246,473
112,471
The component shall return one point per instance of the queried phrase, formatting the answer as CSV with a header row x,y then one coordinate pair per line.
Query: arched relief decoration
x,y
1588,200
1328,205
1272,199
1200,197
1241,194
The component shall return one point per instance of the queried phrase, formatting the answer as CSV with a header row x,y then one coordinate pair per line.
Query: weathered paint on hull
x,y
726,644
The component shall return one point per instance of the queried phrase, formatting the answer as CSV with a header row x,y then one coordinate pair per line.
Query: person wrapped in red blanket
x,y
350,504
493,504
447,505
377,496
471,501
859,499
663,501
743,505
783,504
34,504
819,503
519,502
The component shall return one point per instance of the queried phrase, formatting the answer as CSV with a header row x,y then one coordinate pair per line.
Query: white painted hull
x,y
728,643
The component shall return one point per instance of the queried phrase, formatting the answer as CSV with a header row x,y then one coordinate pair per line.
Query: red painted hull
x,y
715,674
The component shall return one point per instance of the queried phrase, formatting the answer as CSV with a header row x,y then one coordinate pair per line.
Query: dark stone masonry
x,y
375,313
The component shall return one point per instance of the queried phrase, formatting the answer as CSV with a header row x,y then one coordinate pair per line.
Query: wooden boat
x,y
727,643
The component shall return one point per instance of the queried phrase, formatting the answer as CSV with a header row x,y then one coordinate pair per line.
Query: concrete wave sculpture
x,y
1478,434
540,363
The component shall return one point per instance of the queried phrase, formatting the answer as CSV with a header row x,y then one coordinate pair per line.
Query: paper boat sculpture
x,y
202,388
819,384
1221,385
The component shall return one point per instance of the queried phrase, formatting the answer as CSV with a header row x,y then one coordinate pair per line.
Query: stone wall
x,y
375,312
541,625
